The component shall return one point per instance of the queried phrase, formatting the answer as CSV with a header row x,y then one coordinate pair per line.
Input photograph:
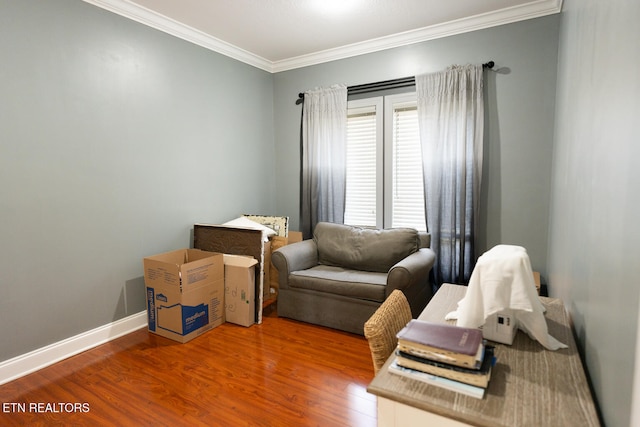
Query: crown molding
x,y
167,25
451,28
152,19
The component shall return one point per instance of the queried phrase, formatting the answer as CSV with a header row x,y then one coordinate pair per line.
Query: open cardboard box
x,y
185,293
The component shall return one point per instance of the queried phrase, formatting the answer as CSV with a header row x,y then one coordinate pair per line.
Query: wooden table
x,y
530,386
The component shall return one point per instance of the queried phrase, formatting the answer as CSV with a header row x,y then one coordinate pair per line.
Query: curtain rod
x,y
387,84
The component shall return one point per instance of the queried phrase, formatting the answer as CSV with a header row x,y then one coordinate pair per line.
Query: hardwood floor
x,y
279,373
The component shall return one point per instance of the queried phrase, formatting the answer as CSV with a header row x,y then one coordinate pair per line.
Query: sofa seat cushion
x,y
341,281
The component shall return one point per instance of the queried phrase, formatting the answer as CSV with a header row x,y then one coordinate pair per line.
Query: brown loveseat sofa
x,y
341,276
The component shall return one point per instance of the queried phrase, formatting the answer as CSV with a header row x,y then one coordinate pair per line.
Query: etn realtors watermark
x,y
45,407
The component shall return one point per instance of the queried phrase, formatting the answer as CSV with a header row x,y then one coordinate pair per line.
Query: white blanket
x,y
243,222
503,279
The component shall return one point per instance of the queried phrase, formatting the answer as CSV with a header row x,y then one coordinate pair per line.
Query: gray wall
x,y
519,128
114,140
594,231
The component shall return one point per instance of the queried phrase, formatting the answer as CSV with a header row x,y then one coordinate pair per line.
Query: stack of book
x,y
446,356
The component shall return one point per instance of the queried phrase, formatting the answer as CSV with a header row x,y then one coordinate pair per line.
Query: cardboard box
x,y
240,289
185,293
276,243
536,279
267,291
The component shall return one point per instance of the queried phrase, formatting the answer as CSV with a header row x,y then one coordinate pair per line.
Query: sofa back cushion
x,y
364,249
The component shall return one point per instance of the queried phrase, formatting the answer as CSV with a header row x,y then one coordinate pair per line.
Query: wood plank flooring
x,y
279,373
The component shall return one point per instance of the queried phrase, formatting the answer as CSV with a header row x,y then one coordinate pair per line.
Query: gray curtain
x,y
323,168
451,121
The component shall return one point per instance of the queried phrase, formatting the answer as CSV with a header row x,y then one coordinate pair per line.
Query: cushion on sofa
x,y
361,248
365,285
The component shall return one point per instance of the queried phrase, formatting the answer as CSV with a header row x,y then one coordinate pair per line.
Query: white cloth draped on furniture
x,y
324,140
503,279
451,121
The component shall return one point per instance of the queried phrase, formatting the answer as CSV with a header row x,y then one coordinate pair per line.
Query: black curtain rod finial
x,y
489,65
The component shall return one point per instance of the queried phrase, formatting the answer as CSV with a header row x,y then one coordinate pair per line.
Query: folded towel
x,y
503,279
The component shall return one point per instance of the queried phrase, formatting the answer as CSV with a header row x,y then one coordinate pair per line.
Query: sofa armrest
x,y
294,257
425,239
412,270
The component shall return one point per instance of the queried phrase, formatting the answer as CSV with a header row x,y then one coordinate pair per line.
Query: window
x,y
384,163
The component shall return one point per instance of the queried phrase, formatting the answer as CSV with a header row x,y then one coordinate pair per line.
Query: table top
x,y
529,386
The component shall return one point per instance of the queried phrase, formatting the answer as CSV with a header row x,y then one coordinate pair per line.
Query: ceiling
x,y
277,35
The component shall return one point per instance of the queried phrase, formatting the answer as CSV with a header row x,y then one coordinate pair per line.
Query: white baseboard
x,y
30,362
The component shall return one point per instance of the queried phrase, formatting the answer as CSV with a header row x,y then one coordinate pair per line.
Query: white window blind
x,y
384,164
407,183
362,166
